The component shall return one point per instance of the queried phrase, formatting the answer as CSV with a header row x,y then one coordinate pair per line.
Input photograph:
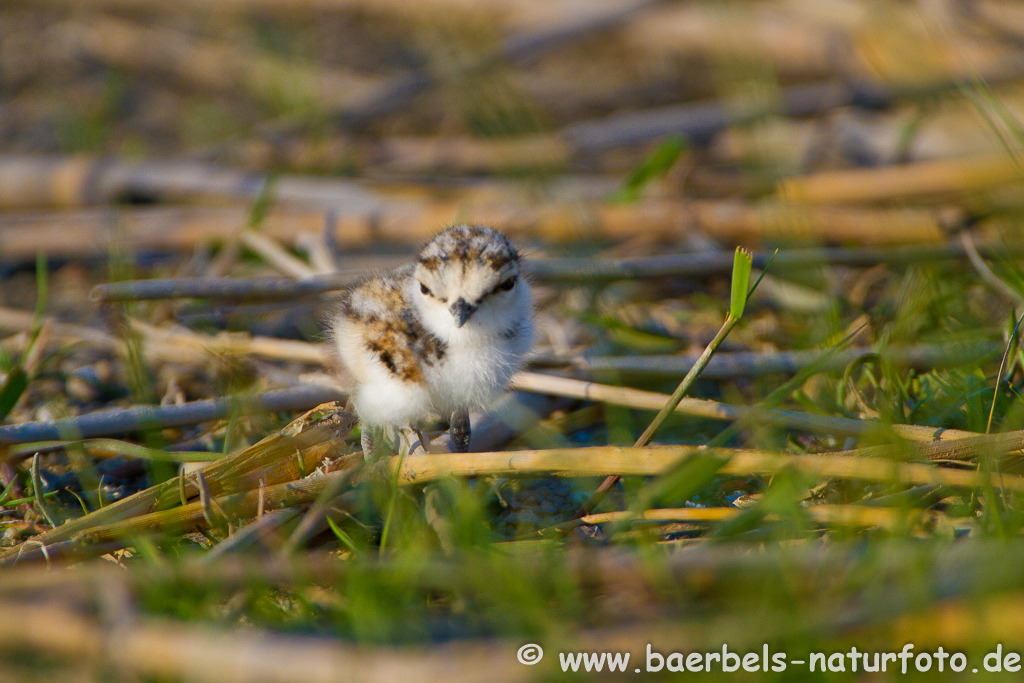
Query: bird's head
x,y
468,279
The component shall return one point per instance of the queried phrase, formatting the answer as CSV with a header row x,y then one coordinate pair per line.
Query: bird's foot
x,y
460,431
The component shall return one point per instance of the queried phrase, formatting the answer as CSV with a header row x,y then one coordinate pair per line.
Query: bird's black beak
x,y
461,311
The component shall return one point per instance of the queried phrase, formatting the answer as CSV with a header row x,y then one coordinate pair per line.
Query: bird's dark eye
x,y
425,289
506,286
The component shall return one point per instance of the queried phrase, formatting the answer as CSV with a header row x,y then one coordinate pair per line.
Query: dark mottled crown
x,y
468,244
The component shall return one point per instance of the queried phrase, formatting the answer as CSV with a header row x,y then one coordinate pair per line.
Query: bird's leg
x,y
368,440
460,431
424,439
376,441
392,440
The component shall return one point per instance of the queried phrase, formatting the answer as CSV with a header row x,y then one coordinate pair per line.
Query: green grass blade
x,y
742,263
656,165
13,387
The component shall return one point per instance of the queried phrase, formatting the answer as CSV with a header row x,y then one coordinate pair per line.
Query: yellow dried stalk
x,y
842,515
236,506
81,232
290,454
921,180
699,407
651,461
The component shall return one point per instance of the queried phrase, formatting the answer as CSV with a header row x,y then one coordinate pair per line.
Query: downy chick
x,y
442,336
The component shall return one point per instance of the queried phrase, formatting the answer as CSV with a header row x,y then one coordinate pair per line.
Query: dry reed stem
x,y
399,221
181,344
738,223
786,40
155,648
842,515
276,255
241,505
926,179
294,452
215,65
367,216
525,13
17,320
601,461
411,156
174,345
649,400
140,419
69,182
749,364
556,270
965,448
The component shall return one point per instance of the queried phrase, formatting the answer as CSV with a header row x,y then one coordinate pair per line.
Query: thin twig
x,y
985,272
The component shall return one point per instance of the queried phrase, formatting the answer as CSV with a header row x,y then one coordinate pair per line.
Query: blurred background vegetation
x,y
184,187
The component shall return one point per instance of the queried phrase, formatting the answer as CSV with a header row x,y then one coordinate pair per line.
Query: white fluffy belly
x,y
471,378
391,402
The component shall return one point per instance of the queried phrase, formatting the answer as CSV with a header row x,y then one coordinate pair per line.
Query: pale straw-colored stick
x,y
649,400
602,461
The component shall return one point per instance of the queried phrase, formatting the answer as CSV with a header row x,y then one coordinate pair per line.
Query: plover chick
x,y
441,336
